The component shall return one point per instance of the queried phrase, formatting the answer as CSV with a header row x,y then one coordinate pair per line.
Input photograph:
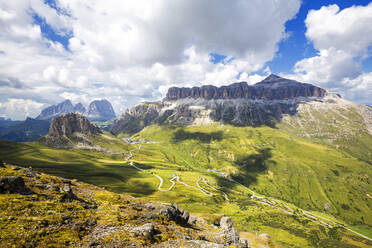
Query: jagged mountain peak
x,y
98,110
271,78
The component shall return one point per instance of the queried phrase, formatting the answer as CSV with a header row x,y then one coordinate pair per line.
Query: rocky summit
x,y
64,107
98,110
69,124
271,88
241,104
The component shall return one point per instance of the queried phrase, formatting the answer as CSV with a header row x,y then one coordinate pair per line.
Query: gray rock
x,y
229,232
52,187
192,220
12,185
147,230
226,223
68,195
264,237
172,212
189,244
70,123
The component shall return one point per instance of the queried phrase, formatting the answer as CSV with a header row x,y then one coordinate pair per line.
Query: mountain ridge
x,y
271,88
240,104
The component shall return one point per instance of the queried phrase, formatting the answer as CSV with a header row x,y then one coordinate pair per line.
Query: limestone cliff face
x,y
271,88
241,104
72,123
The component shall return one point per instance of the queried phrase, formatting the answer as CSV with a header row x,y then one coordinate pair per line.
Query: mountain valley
x,y
287,160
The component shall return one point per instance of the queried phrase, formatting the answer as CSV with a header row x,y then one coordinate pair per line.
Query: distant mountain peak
x,y
271,78
99,110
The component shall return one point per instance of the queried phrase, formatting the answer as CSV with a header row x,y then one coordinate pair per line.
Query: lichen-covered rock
x,y
68,195
229,232
190,244
13,185
172,212
147,230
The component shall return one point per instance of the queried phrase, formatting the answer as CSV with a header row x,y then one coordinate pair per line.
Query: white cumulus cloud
x,y
130,51
343,39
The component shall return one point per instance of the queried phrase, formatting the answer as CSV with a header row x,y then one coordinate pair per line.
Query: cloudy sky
x,y
132,51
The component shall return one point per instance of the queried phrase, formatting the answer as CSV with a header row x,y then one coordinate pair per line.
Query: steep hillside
x,y
38,210
254,175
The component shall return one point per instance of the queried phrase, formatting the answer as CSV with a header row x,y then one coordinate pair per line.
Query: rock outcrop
x,y
72,123
100,110
97,218
271,88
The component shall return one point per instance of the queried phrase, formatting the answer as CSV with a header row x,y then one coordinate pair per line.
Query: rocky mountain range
x,y
271,88
98,110
241,104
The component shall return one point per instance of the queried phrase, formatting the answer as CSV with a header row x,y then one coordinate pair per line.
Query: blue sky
x,y
133,51
296,46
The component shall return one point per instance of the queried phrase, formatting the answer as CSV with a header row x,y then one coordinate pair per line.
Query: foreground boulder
x,y
13,185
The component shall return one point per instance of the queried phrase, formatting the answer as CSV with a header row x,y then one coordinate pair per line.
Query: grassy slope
x,y
267,160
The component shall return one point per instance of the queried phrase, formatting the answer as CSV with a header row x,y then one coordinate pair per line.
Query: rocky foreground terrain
x,y
38,210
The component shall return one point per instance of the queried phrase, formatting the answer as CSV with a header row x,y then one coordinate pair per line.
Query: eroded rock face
x,y
72,123
100,110
271,88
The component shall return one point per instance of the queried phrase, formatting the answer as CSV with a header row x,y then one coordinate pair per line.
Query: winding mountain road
x,y
323,221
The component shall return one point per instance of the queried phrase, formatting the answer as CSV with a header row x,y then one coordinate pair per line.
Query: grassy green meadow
x,y
293,172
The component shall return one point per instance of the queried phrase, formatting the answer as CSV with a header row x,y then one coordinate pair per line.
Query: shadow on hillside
x,y
181,135
76,164
250,167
